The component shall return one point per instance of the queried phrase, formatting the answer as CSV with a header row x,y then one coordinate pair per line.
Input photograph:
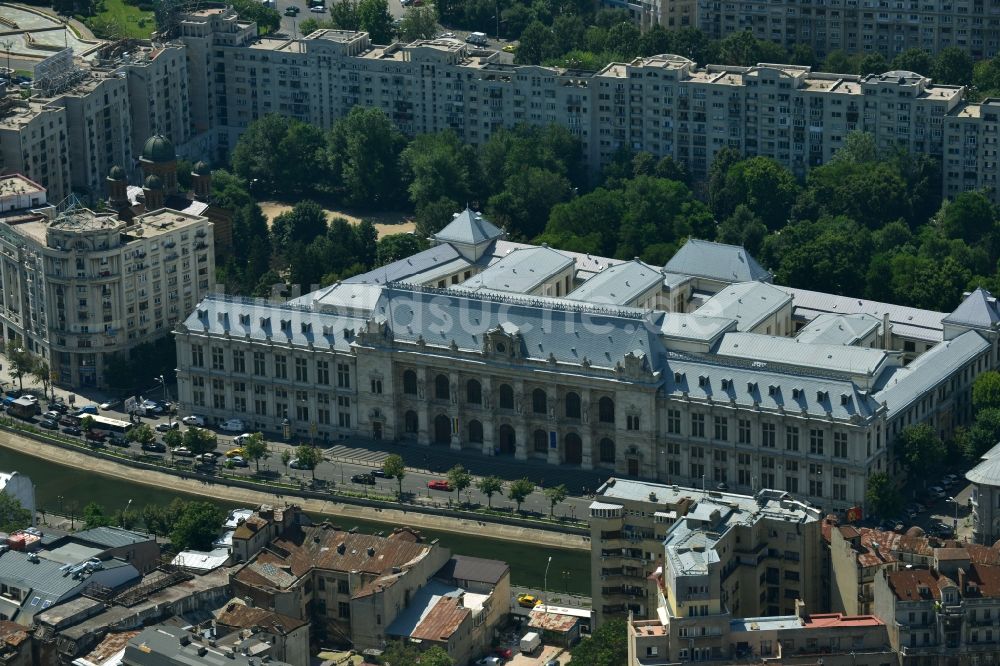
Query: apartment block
x,y
157,79
79,287
854,26
34,142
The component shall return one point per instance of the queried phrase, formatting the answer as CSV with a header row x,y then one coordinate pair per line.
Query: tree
x,y
882,496
395,468
172,439
363,151
255,447
459,479
623,40
154,518
21,363
914,60
309,457
375,19
526,201
537,44
433,217
344,15
920,449
490,486
984,433
970,216
286,457
823,254
418,23
872,63
13,516
200,440
93,516
608,646
568,31
519,491
767,188
986,77
143,434
859,147
196,527
87,422
280,154
266,18
555,495
40,370
395,247
952,66
302,224
986,391
399,653
440,166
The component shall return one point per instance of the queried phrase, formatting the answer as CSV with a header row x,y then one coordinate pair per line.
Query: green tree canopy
x,y
984,433
363,151
970,216
13,516
309,457
555,495
608,646
395,468
952,66
519,491
490,486
196,526
418,23
93,516
882,495
200,440
914,60
255,448
280,154
440,166
920,449
375,19
986,391
302,224
459,479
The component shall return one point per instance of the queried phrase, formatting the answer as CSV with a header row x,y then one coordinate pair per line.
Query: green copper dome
x,y
116,173
201,169
158,148
153,182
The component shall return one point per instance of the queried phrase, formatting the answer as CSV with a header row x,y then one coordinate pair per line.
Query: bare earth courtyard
x,y
387,223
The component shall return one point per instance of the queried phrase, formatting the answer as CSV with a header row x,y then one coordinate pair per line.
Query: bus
x,y
107,425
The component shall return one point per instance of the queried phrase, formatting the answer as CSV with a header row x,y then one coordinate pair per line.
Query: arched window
x,y
442,429
572,405
506,397
539,402
442,390
410,382
475,432
474,392
410,424
606,410
573,449
506,440
606,451
541,441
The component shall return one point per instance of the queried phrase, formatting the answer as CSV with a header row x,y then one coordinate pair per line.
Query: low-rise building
x,y
985,500
170,646
287,638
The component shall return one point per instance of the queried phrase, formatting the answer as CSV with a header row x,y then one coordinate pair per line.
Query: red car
x,y
504,652
439,484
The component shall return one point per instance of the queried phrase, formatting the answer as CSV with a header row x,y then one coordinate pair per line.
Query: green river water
x,y
569,571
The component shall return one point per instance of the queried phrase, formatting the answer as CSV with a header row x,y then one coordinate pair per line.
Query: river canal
x,y
570,569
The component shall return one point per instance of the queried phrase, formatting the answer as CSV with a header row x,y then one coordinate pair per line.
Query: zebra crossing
x,y
356,455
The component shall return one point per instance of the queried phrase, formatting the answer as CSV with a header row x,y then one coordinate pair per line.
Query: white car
x,y
240,440
193,420
297,464
232,425
318,9
149,407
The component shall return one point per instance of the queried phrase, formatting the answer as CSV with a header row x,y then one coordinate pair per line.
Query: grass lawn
x,y
123,17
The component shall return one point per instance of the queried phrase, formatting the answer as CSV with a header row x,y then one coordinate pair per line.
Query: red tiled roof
x,y
241,616
821,620
907,585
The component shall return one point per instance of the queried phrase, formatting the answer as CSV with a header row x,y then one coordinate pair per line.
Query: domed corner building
x,y
985,480
159,158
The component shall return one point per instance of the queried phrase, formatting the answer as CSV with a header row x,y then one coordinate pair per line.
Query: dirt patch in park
x,y
386,223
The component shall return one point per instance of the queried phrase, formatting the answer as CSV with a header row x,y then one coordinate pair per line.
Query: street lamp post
x,y
955,502
545,585
127,505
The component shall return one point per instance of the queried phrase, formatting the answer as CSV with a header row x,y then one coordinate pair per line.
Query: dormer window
x,y
751,387
702,381
726,383
796,393
844,398
306,327
772,390
821,396
286,325
244,319
678,377
265,322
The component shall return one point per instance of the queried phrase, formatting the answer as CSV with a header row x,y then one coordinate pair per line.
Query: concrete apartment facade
x,y
77,287
34,143
865,26
706,553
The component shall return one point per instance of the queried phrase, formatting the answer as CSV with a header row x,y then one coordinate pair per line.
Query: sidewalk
x,y
392,517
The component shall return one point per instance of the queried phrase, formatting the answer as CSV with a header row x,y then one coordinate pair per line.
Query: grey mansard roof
x,y
618,284
978,310
468,228
567,334
521,271
259,320
902,386
838,329
717,261
413,265
749,303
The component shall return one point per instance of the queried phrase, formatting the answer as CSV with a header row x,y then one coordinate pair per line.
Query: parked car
x,y
234,452
117,439
110,404
491,660
240,440
167,427
297,464
206,459
290,11
59,407
943,530
72,430
937,492
96,436
528,600
239,461
156,447
150,407
318,9
364,479
439,484
194,420
232,425
52,415
184,452
86,409
49,424
380,473
509,48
